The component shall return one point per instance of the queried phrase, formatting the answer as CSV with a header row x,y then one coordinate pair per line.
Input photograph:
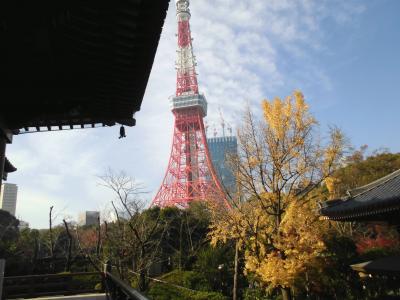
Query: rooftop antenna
x,y
206,125
215,132
222,121
230,129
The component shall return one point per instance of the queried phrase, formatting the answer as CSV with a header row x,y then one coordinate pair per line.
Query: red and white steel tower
x,y
190,174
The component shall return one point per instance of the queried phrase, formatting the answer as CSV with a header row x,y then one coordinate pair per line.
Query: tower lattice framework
x,y
190,175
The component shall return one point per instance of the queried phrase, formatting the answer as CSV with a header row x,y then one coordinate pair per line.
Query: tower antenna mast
x,y
222,121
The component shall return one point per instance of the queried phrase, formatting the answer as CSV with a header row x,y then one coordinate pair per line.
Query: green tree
x,y
9,233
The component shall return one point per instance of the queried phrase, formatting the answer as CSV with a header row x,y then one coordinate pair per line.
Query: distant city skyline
x,y
343,55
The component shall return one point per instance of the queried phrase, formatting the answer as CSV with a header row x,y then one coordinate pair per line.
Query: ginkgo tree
x,y
282,160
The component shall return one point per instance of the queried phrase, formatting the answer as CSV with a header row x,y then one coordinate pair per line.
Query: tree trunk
x,y
142,272
286,295
35,255
51,239
69,250
98,244
180,244
235,276
142,281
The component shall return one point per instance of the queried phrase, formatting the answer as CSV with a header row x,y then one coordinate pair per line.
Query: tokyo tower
x,y
190,174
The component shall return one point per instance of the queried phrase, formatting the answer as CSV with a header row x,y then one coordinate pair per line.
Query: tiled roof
x,y
378,200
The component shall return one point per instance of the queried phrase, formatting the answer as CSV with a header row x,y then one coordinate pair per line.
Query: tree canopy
x,y
281,161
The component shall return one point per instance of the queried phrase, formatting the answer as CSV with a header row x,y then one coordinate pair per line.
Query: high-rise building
x,y
88,218
220,149
8,197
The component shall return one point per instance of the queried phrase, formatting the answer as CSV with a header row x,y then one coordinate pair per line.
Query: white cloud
x,y
246,50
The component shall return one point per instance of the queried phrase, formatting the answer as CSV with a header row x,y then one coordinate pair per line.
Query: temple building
x,y
377,202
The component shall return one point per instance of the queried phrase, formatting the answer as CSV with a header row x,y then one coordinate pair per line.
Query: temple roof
x,y
66,63
377,201
380,266
8,166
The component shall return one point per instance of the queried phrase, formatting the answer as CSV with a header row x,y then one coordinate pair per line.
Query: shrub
x,y
193,286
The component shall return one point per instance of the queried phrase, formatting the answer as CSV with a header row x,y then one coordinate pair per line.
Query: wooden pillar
x,y
6,137
2,155
2,267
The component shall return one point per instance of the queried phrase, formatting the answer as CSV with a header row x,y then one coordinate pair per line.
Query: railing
x,y
33,286
52,284
117,289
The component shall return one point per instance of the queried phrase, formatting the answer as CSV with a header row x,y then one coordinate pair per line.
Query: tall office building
x,y
8,197
220,148
88,218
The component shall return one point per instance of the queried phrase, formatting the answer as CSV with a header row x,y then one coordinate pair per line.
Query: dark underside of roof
x,y
380,266
75,62
378,201
8,167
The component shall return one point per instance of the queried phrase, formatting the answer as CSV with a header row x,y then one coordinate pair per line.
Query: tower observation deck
x,y
190,175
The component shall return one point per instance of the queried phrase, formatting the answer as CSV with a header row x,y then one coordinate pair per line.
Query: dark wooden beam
x,y
2,155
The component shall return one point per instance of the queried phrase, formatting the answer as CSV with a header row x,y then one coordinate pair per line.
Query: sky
x,y
342,54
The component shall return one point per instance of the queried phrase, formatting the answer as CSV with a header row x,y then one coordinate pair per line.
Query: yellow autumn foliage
x,y
276,257
331,184
280,163
297,244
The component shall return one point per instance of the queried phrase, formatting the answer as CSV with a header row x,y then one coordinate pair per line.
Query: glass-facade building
x,y
88,218
220,149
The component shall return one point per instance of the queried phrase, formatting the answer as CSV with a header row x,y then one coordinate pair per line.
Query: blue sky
x,y
343,55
